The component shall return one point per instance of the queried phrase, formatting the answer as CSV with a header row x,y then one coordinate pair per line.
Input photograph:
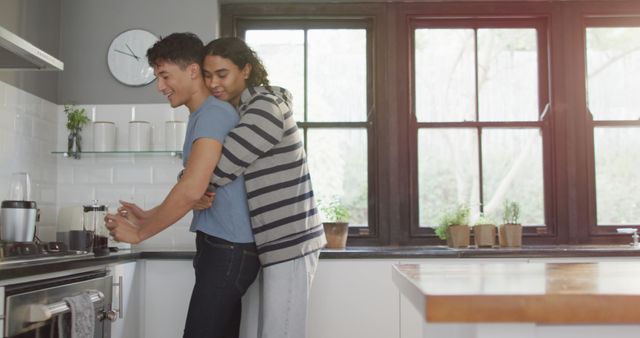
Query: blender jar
x,y
20,188
93,224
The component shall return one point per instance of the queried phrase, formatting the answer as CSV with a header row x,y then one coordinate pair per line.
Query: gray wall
x,y
88,26
37,21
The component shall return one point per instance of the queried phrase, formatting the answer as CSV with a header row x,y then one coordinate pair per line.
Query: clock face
x,y
127,57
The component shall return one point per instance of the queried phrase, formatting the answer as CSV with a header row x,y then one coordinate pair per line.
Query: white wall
x,y
27,131
144,178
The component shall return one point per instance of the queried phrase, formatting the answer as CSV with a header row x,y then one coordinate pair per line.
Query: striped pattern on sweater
x,y
268,150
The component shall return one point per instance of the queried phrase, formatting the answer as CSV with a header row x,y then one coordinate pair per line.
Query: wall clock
x,y
127,57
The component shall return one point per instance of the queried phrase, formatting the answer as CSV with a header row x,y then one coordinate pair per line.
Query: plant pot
x,y
336,233
458,236
510,235
484,235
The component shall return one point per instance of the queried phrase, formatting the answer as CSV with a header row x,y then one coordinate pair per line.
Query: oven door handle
x,y
41,312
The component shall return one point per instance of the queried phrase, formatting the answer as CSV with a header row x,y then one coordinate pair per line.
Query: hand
x,y
132,212
205,201
121,229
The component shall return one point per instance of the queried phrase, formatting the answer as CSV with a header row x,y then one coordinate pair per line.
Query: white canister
x,y
174,132
104,136
139,135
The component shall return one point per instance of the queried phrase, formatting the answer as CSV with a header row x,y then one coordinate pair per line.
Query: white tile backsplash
x,y
137,174
165,175
70,194
144,179
27,131
31,128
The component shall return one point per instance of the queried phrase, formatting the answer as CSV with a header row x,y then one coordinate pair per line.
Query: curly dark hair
x,y
236,50
182,49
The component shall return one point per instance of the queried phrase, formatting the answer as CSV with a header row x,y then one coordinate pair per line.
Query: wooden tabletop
x,y
545,293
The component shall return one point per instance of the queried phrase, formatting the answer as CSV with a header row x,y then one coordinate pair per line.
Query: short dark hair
x,y
236,50
182,49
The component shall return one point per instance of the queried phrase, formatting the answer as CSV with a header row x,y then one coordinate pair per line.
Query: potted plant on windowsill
x,y
510,233
76,118
336,224
454,227
484,231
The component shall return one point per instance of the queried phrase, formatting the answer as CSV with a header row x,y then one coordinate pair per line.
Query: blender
x,y
18,214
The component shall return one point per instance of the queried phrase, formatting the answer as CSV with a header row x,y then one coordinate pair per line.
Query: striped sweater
x,y
267,148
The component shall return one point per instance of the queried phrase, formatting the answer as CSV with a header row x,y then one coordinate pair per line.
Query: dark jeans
x,y
224,272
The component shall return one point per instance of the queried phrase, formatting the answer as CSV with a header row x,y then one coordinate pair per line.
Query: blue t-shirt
x,y
228,218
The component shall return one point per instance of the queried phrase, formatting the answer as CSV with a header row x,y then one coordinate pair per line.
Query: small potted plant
x,y
510,232
336,224
454,227
76,119
484,231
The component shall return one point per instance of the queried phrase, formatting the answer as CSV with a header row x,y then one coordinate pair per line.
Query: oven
x,y
32,308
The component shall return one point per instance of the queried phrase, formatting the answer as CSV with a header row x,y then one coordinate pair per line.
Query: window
x,y
409,108
326,66
480,94
613,84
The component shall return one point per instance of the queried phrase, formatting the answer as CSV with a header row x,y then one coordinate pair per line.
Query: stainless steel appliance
x,y
18,220
19,214
32,308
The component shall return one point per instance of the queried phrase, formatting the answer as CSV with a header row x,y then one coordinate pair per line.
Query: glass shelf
x,y
174,153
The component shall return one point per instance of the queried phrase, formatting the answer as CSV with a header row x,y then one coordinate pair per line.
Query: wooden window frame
x,y
568,140
605,232
239,18
540,24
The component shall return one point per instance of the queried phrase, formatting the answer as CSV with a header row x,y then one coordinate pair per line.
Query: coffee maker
x,y
18,214
93,221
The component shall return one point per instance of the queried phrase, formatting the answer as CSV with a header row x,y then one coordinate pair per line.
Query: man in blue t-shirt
x,y
226,260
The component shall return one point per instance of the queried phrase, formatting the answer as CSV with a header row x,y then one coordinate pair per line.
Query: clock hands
x,y
131,54
134,54
125,53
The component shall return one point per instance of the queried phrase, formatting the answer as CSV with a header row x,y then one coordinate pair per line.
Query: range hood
x,y
18,54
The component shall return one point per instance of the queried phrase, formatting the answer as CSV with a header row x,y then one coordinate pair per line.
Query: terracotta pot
x,y
336,233
510,235
484,235
458,236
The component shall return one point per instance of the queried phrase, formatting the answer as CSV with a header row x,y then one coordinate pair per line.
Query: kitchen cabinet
x,y
353,298
166,294
349,298
126,300
167,290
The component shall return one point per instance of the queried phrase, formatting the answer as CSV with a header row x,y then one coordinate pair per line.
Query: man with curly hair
x,y
226,260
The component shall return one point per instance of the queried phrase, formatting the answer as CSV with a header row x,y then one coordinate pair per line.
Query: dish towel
x,y
82,318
